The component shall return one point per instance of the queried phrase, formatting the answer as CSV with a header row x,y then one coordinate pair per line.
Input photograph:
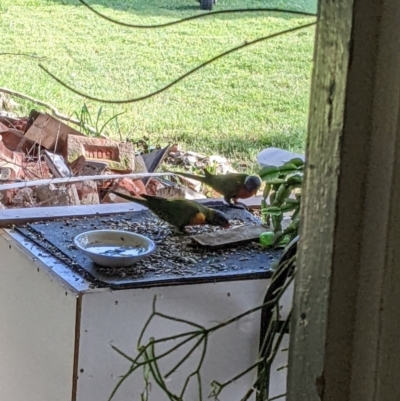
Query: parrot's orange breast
x,y
243,193
198,219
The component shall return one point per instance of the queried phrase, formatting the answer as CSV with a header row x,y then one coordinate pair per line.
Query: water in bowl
x,y
115,250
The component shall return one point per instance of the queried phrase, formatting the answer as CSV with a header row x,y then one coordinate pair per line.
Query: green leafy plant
x,y
281,183
86,121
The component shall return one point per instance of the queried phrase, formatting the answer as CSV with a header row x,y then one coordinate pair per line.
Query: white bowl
x,y
114,248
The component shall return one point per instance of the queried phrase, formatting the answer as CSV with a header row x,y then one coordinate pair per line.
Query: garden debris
x,y
56,164
44,162
56,196
7,105
140,166
23,198
196,161
11,137
169,189
153,160
36,170
83,167
126,186
11,159
7,174
87,192
189,182
6,197
48,132
15,123
91,167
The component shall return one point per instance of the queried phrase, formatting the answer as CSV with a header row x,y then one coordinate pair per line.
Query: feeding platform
x,y
61,313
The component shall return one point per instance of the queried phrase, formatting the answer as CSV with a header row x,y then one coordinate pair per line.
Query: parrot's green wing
x,y
178,212
228,184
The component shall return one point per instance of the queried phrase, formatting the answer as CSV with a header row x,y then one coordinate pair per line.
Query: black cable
x,y
140,98
21,54
212,13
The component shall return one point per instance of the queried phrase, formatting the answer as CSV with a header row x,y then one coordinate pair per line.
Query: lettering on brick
x,y
101,152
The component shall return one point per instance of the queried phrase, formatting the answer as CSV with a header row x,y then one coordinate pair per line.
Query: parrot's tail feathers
x,y
130,198
193,176
207,174
146,197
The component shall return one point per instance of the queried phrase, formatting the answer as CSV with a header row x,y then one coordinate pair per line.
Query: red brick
x,y
13,160
15,123
6,197
120,156
3,128
50,133
11,139
14,140
153,186
35,171
77,164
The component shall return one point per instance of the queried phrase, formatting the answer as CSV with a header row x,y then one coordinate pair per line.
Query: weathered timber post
x,y
345,334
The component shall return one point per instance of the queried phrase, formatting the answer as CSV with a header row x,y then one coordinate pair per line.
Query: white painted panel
x,y
37,330
59,268
117,318
278,375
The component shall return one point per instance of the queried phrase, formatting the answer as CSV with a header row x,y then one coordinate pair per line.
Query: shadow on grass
x,y
184,8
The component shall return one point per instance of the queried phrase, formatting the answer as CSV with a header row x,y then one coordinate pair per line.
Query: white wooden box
x,y
56,332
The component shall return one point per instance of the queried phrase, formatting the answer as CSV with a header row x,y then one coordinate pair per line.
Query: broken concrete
x,y
57,196
88,193
6,174
24,197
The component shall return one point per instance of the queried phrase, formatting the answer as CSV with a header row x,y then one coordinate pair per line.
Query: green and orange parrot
x,y
179,213
232,186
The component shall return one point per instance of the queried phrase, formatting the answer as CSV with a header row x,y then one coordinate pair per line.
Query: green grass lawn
x,y
251,99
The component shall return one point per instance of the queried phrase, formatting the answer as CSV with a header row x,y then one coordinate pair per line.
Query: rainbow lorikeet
x,y
179,213
232,186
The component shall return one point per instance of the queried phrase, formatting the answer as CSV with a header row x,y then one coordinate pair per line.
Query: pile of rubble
x,y
42,148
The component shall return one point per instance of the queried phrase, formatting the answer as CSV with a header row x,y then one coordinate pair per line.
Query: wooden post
x,y
345,334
